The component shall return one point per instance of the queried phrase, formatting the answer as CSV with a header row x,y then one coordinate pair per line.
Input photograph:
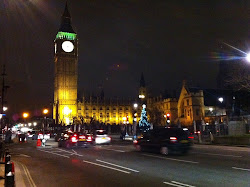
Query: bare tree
x,y
239,77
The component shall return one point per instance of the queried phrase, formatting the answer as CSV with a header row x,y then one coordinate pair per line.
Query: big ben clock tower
x,y
65,80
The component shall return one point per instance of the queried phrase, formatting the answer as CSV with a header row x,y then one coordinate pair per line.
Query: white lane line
x,y
236,150
26,171
117,165
71,153
243,169
213,154
172,184
188,161
182,184
76,153
55,153
106,166
114,150
23,155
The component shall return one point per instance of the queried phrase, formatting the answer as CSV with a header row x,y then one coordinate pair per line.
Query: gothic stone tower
x,y
142,90
65,80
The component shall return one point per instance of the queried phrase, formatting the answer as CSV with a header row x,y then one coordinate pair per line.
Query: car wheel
x,y
164,150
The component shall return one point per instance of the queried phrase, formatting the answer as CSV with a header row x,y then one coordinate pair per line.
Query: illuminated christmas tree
x,y
144,125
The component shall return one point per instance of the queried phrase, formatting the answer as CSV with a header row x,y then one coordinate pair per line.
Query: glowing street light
x,y
45,111
25,114
220,99
248,57
135,105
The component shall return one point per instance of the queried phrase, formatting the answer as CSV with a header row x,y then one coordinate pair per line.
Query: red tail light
x,y
173,139
135,141
191,137
75,134
89,139
74,139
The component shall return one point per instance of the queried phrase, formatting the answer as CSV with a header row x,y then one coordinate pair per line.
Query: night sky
x,y
118,40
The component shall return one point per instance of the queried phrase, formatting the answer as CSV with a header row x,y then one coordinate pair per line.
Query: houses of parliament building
x,y
68,109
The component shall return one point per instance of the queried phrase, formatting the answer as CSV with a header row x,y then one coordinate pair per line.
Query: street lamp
x,y
45,112
248,57
25,115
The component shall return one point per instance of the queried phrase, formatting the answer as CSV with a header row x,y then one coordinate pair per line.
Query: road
x,y
119,164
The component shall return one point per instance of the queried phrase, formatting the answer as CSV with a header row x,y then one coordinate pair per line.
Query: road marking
x,y
213,154
182,184
172,184
237,150
22,155
114,150
54,153
192,162
127,172
31,181
71,153
76,153
243,169
117,165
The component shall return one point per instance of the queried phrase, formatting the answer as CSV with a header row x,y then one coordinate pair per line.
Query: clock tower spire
x,y
65,76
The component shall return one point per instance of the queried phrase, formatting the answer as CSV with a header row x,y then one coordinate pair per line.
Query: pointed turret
x,y
142,89
142,81
66,21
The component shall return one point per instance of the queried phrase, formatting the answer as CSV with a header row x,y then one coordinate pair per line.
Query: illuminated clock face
x,y
67,46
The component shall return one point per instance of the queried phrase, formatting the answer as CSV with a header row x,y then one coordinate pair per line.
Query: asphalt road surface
x,y
119,164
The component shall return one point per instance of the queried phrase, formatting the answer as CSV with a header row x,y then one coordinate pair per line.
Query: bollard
x,y
9,175
199,137
43,142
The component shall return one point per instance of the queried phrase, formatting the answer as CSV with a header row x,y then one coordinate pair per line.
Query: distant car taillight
x,y
135,141
173,139
191,137
89,139
74,139
75,134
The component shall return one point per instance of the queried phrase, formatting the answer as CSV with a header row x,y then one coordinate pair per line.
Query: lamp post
x,y
45,112
135,120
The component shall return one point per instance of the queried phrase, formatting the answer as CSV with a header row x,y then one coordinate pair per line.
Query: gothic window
x,y
107,108
126,108
86,108
114,115
120,108
87,114
120,115
101,115
188,113
187,101
94,108
114,108
100,108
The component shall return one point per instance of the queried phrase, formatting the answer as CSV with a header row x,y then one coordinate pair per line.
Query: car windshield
x,y
101,132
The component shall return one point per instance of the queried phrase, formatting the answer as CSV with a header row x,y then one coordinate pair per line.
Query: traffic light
x,y
168,118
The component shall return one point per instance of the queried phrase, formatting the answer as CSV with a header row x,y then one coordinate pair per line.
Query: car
x,y
101,137
44,134
22,137
164,140
69,139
